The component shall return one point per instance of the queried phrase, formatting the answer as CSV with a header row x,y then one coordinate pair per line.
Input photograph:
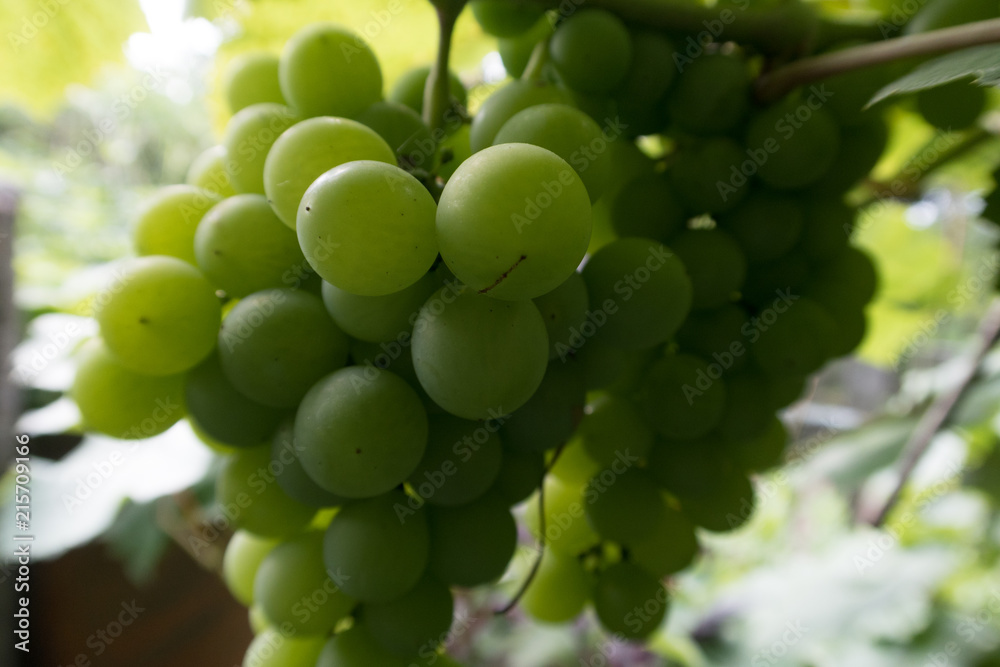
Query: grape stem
x,y
541,536
932,420
779,82
539,56
437,93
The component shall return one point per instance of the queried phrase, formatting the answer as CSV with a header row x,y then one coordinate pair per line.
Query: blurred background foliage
x,y
102,101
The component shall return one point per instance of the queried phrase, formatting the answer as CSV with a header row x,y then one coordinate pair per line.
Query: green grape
x,y
796,342
361,431
294,589
827,228
730,504
249,137
564,310
748,406
416,623
767,281
251,78
409,88
244,554
168,222
647,207
714,262
275,344
501,106
402,128
242,247
574,465
610,368
627,509
340,242
559,591
515,51
309,149
208,172
641,289
377,548
953,106
504,19
551,415
683,396
121,403
222,412
614,426
717,334
800,144
652,70
271,648
471,544
784,391
582,66
766,225
477,357
567,132
453,151
708,177
160,316
514,221
861,148
711,96
629,601
251,499
291,475
762,451
849,279
567,530
461,462
356,647
519,476
327,70
669,548
377,319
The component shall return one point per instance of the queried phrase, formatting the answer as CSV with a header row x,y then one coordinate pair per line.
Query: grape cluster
x,y
392,361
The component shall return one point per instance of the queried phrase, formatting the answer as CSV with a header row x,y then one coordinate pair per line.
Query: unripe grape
x,y
169,221
252,78
620,591
592,50
409,88
801,140
711,95
505,19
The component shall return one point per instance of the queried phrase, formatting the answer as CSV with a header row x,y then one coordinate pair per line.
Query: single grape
x,y
311,148
766,225
121,403
410,87
714,262
402,128
208,172
652,71
361,432
953,106
709,176
613,427
377,548
559,591
222,412
582,66
415,623
471,544
827,228
515,51
627,509
252,500
461,461
520,474
501,106
762,451
669,548
784,391
271,648
800,143
292,476
567,529
338,232
648,207
249,137
641,290
567,132
376,319
356,647
327,70
796,342
683,396
861,148
454,150
479,358
718,335
711,95
551,415
849,278
504,19
294,590
244,554
275,344
161,315
242,247
251,78
514,221
630,601
564,311
169,220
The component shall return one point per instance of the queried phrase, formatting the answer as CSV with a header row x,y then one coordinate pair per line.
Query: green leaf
x,y
51,45
980,62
